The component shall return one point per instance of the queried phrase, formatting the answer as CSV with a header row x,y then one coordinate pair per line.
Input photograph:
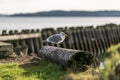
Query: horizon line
x,y
54,10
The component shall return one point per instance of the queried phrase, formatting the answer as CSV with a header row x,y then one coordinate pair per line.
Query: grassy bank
x,y
43,71
49,71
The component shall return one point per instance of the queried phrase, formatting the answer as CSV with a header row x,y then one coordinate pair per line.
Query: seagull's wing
x,y
54,38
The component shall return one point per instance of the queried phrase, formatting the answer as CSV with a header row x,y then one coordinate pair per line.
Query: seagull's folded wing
x,y
55,38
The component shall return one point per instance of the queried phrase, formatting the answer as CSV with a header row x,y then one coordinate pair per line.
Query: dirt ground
x,y
22,60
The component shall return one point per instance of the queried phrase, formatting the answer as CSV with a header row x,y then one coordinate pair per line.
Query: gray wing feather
x,y
54,38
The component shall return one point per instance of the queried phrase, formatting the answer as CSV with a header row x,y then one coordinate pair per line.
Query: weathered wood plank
x,y
5,49
20,36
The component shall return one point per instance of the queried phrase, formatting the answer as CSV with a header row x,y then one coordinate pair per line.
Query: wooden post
x,y
85,40
118,32
103,36
109,35
39,39
16,43
114,30
35,43
30,44
43,37
80,38
98,40
90,39
4,32
11,32
72,38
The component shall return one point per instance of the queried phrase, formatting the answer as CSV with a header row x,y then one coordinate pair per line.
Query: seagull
x,y
56,38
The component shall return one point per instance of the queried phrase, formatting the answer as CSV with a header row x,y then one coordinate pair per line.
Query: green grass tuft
x,y
44,71
109,73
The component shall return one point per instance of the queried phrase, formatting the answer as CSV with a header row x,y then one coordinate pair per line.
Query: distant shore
x,y
61,13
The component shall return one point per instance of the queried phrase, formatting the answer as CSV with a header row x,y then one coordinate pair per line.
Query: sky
x,y
31,6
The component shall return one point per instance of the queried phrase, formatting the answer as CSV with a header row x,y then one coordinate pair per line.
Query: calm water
x,y
19,23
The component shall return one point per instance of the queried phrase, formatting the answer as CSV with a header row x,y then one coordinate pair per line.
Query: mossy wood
x,y
67,57
5,49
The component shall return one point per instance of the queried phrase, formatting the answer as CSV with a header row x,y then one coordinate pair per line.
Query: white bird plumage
x,y
56,38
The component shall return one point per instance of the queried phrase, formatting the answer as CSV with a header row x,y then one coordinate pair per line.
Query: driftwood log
x,y
67,57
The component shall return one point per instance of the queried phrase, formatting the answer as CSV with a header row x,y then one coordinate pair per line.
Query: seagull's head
x,y
62,33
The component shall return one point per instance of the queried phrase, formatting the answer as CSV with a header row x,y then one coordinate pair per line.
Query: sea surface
x,y
18,23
